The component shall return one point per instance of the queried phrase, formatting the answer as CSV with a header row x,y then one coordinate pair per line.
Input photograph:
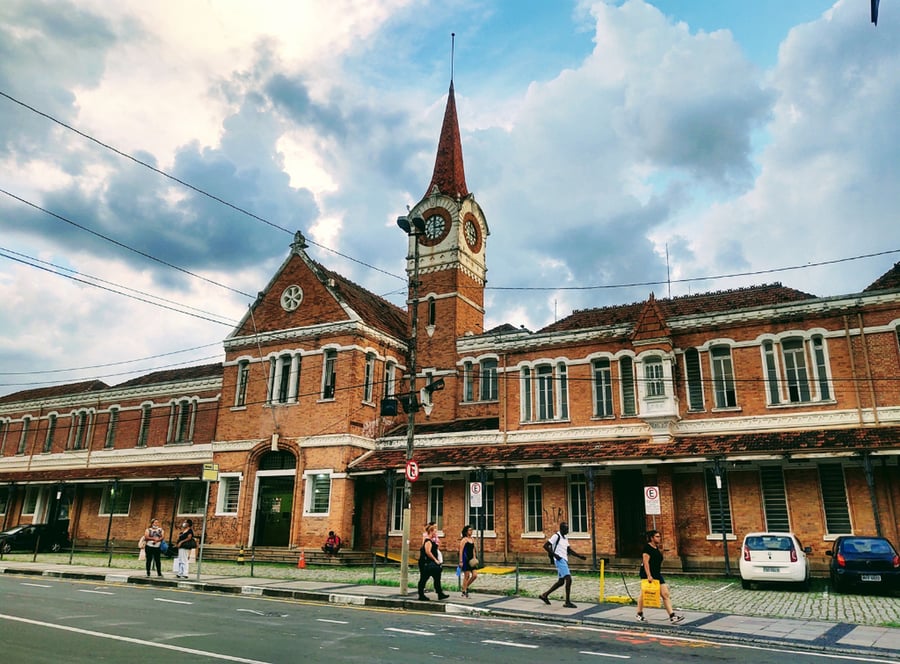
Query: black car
x,y
29,536
864,562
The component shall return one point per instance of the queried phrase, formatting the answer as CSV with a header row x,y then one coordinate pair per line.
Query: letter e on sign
x,y
651,500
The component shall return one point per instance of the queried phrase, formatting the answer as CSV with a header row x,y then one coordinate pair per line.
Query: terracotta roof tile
x,y
55,391
449,174
373,309
598,452
888,280
701,303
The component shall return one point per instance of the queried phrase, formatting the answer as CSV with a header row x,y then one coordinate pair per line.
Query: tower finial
x,y
452,50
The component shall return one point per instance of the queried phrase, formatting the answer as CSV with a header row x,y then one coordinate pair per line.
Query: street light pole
x,y
413,230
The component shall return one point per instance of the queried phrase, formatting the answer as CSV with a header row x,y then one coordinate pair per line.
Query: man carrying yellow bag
x,y
653,585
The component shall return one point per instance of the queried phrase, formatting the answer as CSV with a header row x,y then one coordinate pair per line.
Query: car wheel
x,y
804,585
5,547
745,584
56,547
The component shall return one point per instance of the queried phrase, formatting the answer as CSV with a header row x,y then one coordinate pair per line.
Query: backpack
x,y
551,548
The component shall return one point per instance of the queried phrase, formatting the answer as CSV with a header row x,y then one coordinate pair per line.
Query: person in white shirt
x,y
558,548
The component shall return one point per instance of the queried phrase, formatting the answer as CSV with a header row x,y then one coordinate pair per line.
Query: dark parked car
x,y
864,562
27,536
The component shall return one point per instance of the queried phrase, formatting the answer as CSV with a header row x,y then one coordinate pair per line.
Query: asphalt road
x,y
49,620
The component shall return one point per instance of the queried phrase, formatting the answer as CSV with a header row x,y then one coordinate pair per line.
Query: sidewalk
x,y
813,635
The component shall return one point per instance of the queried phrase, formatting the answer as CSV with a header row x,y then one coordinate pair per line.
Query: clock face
x,y
471,231
291,298
434,227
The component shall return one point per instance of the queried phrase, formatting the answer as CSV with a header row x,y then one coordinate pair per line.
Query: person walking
x,y
185,543
430,564
557,547
651,569
468,563
153,538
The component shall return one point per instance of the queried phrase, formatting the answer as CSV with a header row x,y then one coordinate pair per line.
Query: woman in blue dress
x,y
467,560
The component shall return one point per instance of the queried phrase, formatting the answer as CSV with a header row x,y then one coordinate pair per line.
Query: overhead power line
x,y
732,275
184,183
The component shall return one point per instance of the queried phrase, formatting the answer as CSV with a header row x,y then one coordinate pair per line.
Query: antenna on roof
x,y
668,276
452,50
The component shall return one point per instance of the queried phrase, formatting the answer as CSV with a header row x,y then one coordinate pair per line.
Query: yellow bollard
x,y
602,581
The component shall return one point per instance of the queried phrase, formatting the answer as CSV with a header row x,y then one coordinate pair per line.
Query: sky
x,y
157,158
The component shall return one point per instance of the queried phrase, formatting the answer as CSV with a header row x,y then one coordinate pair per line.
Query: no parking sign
x,y
651,500
412,470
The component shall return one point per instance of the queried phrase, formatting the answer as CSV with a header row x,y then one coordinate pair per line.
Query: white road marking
x,y
726,587
37,585
511,644
604,654
170,601
140,642
96,592
336,622
408,631
259,613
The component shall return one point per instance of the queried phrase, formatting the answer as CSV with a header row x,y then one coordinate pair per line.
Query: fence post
x,y
112,545
374,568
517,576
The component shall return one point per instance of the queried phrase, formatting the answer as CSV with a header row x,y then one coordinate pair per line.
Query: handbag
x,y
163,546
473,562
142,542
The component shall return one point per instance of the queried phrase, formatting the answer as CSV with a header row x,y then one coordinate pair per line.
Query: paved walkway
x,y
833,636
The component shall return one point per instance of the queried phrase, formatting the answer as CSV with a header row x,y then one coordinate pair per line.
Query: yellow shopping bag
x,y
650,593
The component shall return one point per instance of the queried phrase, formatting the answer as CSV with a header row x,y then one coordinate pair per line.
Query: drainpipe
x,y
870,480
859,408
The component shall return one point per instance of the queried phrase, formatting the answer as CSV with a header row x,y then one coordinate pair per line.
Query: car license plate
x,y
772,570
871,577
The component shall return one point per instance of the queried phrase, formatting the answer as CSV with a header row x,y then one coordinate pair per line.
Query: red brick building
x,y
750,409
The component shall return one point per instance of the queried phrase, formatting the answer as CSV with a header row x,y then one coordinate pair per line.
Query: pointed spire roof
x,y
449,175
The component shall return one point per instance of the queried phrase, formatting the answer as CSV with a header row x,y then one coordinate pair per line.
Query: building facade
x,y
706,416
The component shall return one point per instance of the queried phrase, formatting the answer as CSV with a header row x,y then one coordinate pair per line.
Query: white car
x,y
775,557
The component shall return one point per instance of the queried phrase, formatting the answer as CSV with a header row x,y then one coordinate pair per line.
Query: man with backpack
x,y
558,549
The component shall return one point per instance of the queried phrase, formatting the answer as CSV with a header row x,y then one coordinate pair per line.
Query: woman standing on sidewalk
x,y
185,543
468,563
153,538
430,564
651,566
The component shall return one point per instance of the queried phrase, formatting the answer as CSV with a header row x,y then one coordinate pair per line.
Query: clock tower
x,y
452,269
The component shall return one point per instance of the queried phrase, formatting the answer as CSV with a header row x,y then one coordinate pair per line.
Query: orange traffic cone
x,y
301,564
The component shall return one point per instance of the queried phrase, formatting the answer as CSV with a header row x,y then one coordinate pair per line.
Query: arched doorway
x,y
274,499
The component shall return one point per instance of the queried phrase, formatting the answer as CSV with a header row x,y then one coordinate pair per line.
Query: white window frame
x,y
436,502
723,379
243,380
310,477
329,374
369,379
534,493
225,479
601,387
109,441
390,378
488,379
577,483
397,509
